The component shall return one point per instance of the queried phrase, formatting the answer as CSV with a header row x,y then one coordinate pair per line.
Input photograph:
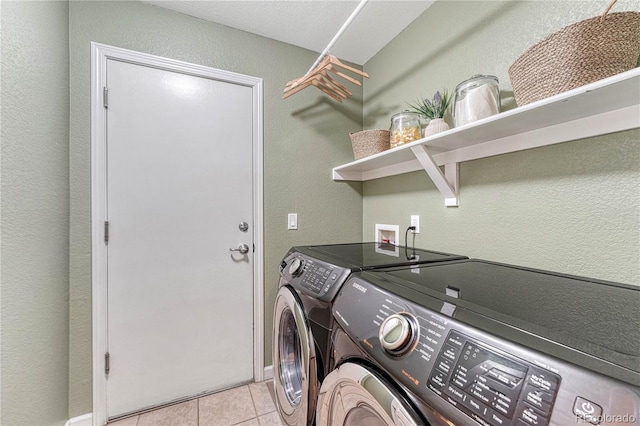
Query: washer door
x,y
353,395
294,361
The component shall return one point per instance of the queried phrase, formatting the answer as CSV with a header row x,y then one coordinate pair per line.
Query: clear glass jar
x,y
405,128
476,98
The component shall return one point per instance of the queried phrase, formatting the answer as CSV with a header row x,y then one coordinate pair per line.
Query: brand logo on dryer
x,y
359,287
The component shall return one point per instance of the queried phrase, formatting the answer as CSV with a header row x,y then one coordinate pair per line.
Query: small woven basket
x,y
369,142
576,55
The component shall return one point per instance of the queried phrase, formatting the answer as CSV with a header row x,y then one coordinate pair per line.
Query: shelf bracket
x,y
447,183
451,175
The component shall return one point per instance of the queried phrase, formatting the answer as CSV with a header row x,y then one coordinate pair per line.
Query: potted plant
x,y
434,109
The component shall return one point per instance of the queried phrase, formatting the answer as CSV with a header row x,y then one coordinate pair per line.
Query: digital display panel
x,y
480,362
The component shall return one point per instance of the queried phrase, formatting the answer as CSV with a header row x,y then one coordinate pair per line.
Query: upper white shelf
x,y
606,106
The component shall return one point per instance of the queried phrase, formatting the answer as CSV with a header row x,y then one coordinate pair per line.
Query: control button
x,y
590,411
475,406
449,352
543,380
438,380
454,393
451,401
296,266
531,416
435,389
455,340
538,398
444,365
497,419
396,333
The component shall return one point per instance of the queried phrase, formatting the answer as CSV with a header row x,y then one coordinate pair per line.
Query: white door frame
x,y
100,53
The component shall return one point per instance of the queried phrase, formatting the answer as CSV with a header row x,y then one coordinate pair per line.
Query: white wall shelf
x,y
606,106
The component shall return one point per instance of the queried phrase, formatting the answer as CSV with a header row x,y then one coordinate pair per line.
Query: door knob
x,y
242,248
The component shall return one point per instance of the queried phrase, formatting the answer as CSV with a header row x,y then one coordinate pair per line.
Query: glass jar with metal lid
x,y
405,128
476,98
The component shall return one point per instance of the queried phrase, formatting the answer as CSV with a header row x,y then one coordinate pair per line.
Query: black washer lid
x,y
370,255
597,317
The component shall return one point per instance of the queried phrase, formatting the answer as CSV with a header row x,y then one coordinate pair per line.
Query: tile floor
x,y
248,405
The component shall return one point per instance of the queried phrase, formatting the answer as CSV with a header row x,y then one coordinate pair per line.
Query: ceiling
x,y
310,24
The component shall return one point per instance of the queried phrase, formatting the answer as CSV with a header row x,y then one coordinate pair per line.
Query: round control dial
x,y
397,333
296,266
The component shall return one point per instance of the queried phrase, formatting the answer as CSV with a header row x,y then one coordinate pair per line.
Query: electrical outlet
x,y
415,221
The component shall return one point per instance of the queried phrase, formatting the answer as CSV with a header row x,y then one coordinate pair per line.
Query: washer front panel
x,y
294,361
464,373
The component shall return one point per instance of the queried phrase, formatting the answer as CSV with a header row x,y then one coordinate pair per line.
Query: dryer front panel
x,y
354,395
466,375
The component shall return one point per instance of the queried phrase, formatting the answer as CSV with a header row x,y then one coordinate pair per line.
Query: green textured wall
x,y
572,207
35,213
304,137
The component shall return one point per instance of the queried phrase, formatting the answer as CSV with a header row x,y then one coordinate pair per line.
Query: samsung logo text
x,y
359,287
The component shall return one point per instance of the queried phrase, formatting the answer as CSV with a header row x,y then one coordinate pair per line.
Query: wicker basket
x,y
578,54
369,142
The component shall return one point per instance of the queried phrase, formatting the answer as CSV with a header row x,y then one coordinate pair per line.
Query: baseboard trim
x,y
268,372
84,420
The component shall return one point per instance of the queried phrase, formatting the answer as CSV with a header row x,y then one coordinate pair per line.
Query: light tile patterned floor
x,y
249,405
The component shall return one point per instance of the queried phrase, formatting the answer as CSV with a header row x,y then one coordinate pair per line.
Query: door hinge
x,y
106,232
107,363
105,97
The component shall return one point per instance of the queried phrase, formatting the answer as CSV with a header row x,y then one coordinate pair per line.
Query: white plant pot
x,y
436,125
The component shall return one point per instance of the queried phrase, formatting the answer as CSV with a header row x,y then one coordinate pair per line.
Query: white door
x,y
179,182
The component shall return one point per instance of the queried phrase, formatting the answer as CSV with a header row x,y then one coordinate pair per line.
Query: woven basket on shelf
x,y
576,55
369,142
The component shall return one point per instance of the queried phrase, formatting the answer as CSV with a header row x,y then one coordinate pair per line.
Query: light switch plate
x,y
292,221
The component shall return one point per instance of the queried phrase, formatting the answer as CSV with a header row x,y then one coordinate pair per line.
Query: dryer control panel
x,y
314,277
491,387
469,376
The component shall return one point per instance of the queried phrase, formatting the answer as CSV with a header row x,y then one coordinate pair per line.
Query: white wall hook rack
x,y
605,106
